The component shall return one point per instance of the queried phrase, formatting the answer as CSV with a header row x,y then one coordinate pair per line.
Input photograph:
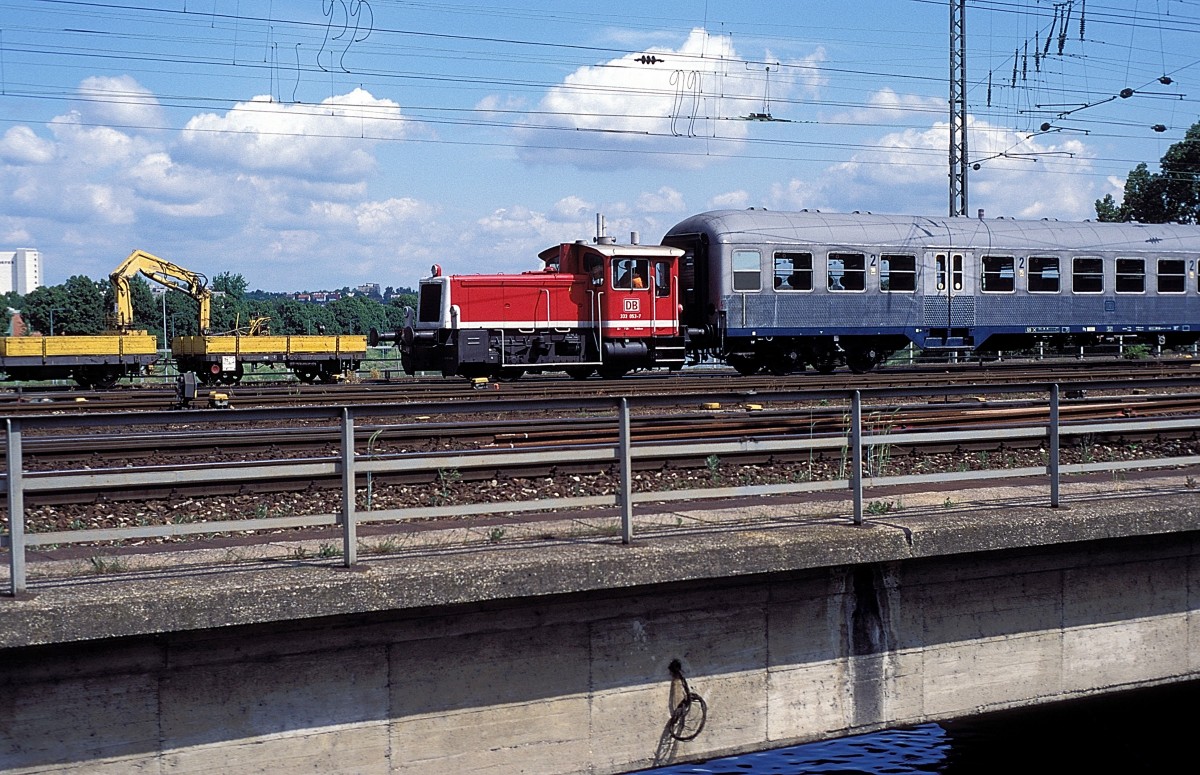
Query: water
x,y
1143,731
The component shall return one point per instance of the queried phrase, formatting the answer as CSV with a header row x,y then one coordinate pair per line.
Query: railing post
x,y
856,462
625,496
16,507
1052,467
349,532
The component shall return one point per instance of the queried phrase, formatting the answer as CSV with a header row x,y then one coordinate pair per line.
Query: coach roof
x,y
751,227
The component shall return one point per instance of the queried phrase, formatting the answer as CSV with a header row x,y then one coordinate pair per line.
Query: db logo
x,y
631,305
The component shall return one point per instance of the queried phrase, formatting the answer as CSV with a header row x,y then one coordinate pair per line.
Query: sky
x,y
318,144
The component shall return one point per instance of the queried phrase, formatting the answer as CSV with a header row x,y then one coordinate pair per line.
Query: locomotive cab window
x,y
747,270
662,279
793,272
1171,277
429,304
847,271
594,266
897,273
1087,275
631,274
1044,276
999,274
1131,275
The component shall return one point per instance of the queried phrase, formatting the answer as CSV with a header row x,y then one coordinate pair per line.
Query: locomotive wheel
x,y
580,372
509,375
612,372
862,360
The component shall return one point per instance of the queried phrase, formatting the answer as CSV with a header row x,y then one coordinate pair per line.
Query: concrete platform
x,y
243,583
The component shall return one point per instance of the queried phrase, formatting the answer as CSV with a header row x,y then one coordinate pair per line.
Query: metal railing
x,y
354,468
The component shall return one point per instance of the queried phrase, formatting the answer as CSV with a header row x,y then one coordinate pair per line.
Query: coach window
x,y
1171,277
897,273
1131,275
1043,274
847,271
747,271
955,269
999,274
1087,275
793,272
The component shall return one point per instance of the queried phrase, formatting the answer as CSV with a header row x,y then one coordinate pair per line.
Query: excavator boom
x,y
164,273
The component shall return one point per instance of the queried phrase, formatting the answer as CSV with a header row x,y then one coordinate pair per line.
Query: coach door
x,y
949,294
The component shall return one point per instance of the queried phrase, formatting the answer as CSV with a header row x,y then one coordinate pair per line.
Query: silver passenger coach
x,y
781,290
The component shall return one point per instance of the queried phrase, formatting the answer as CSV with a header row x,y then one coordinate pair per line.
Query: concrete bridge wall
x,y
523,670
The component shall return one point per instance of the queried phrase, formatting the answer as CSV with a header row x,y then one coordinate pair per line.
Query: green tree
x,y
1169,196
357,315
76,306
232,285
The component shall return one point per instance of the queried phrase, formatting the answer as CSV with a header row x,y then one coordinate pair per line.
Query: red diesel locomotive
x,y
594,308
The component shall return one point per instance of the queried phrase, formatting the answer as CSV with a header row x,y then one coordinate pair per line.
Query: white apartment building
x,y
20,270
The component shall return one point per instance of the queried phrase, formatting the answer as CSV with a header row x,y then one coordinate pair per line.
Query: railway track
x,y
697,382
170,453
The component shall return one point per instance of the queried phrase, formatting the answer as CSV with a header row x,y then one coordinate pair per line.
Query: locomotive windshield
x,y
430,304
631,273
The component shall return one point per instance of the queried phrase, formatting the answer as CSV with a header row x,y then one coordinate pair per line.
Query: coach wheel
x,y
824,360
862,360
580,372
307,375
328,375
783,364
746,365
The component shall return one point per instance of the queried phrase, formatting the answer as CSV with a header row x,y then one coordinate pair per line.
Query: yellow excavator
x,y
164,273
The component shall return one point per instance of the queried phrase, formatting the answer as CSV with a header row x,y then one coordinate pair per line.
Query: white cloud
x,y
329,141
737,200
20,145
699,90
118,100
665,200
885,105
906,172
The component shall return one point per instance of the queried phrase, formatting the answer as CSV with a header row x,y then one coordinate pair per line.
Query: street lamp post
x,y
52,311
